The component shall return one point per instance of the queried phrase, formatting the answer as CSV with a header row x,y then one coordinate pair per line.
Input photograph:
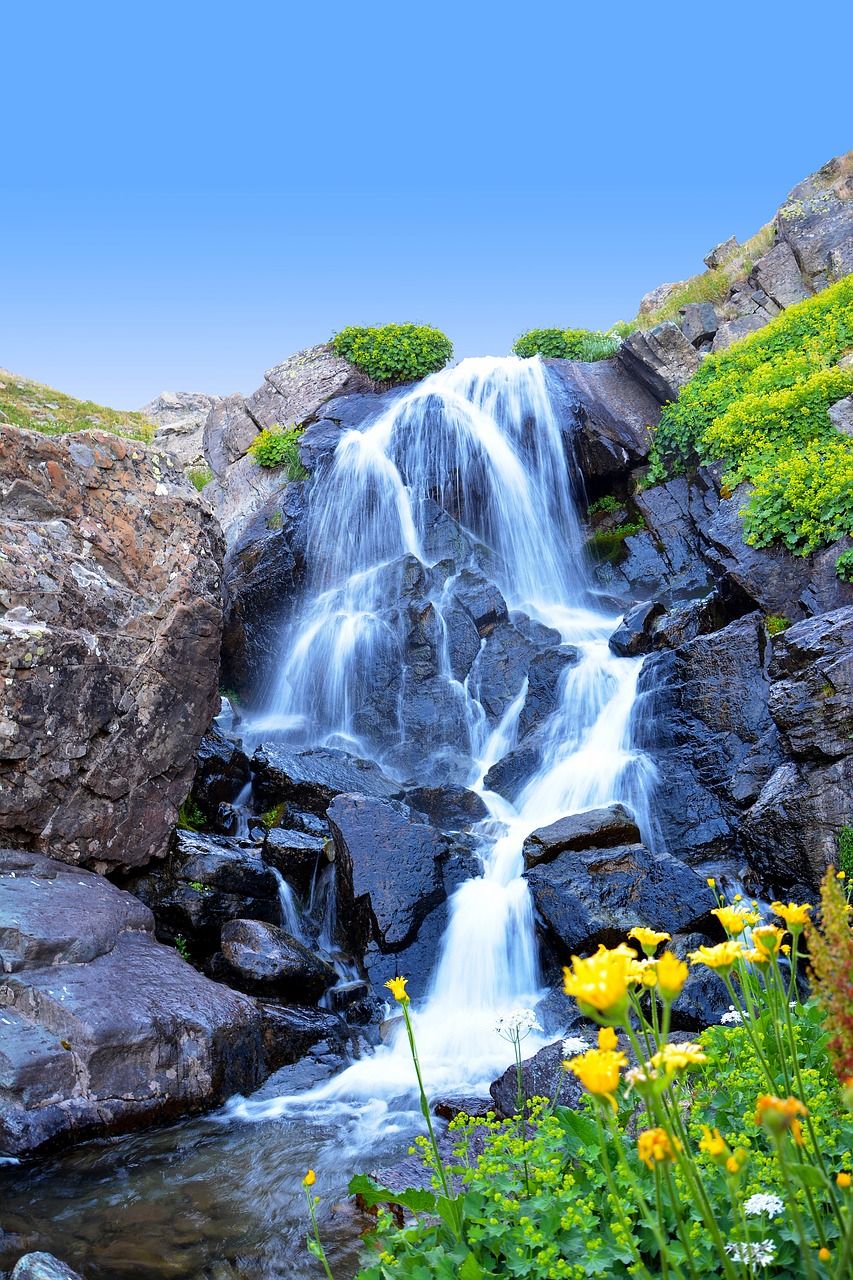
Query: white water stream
x,y
483,441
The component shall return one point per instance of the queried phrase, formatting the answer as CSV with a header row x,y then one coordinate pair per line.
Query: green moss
x,y
394,353
776,624
190,817
609,544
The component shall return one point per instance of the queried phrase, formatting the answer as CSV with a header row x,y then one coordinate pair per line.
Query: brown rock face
x,y
110,568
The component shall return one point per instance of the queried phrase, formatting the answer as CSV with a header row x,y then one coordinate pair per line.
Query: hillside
x,y
35,407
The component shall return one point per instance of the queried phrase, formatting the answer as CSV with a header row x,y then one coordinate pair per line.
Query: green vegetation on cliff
x,y
34,407
761,407
394,353
569,344
279,447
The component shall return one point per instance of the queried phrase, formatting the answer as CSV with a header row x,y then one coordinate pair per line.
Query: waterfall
x,y
479,444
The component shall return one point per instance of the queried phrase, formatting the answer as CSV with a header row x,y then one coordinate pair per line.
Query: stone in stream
x,y
205,881
544,680
42,1266
111,626
262,959
450,808
222,770
603,828
500,669
635,633
103,1029
591,896
290,1031
313,777
297,855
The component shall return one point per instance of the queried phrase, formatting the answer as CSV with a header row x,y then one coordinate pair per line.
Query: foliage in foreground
x,y
279,447
394,353
728,1157
34,407
568,344
761,406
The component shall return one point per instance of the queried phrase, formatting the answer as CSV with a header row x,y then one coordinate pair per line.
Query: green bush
x,y
199,477
761,406
776,624
845,851
279,447
567,344
844,566
394,353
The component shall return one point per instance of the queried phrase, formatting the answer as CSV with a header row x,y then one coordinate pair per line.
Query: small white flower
x,y
761,1252
732,1015
516,1025
763,1202
574,1044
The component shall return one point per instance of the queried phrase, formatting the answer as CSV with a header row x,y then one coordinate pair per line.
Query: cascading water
x,y
481,444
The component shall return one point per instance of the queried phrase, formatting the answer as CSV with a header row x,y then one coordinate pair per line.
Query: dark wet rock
x,y
500,669
312,778
664,560
416,962
463,641
444,538
545,677
222,770
635,633
684,622
608,415
661,359
388,868
791,832
702,716
110,629
295,819
590,896
513,771
104,1030
205,881
345,995
542,1076
704,998
262,959
42,1266
296,854
812,692
263,571
450,808
290,1031
463,1105
603,828
481,600
699,322
557,1014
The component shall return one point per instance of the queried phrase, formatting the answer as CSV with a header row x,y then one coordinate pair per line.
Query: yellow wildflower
x,y
678,1057
768,939
309,1179
397,987
721,957
714,1143
824,1254
643,972
600,983
655,1145
607,1038
795,916
712,884
843,1180
672,975
648,939
779,1115
598,1071
730,918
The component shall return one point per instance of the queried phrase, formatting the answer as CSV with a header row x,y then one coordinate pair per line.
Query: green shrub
x,y
199,476
776,624
394,353
844,566
845,851
567,344
279,447
608,505
761,406
190,817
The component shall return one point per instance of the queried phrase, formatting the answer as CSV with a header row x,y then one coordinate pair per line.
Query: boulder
x,y
684,622
812,692
841,415
635,633
296,854
704,998
721,253
42,1266
731,331
791,832
656,298
816,221
103,1029
481,600
778,274
542,1076
313,777
607,415
110,590
290,1031
180,417
222,771
510,775
450,808
500,670
699,322
661,359
205,881
703,718
545,677
603,828
388,868
584,897
264,960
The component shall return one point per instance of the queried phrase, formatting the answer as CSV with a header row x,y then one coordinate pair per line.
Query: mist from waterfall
x,y
482,443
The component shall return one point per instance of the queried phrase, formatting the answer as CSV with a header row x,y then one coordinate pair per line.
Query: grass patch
x,y
34,407
199,477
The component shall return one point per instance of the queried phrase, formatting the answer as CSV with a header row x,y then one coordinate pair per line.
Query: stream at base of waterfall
x,y
482,443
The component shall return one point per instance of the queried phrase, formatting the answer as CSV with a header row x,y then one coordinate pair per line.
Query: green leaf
x,y
809,1176
471,1269
418,1199
450,1212
580,1131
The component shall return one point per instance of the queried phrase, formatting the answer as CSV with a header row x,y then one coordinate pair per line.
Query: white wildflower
x,y
518,1024
574,1044
762,1202
760,1252
732,1015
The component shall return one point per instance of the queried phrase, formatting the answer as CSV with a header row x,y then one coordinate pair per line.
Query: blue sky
x,y
189,193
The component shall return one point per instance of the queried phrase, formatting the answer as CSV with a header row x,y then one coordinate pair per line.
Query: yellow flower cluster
x,y
599,1069
601,983
654,1146
781,1115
